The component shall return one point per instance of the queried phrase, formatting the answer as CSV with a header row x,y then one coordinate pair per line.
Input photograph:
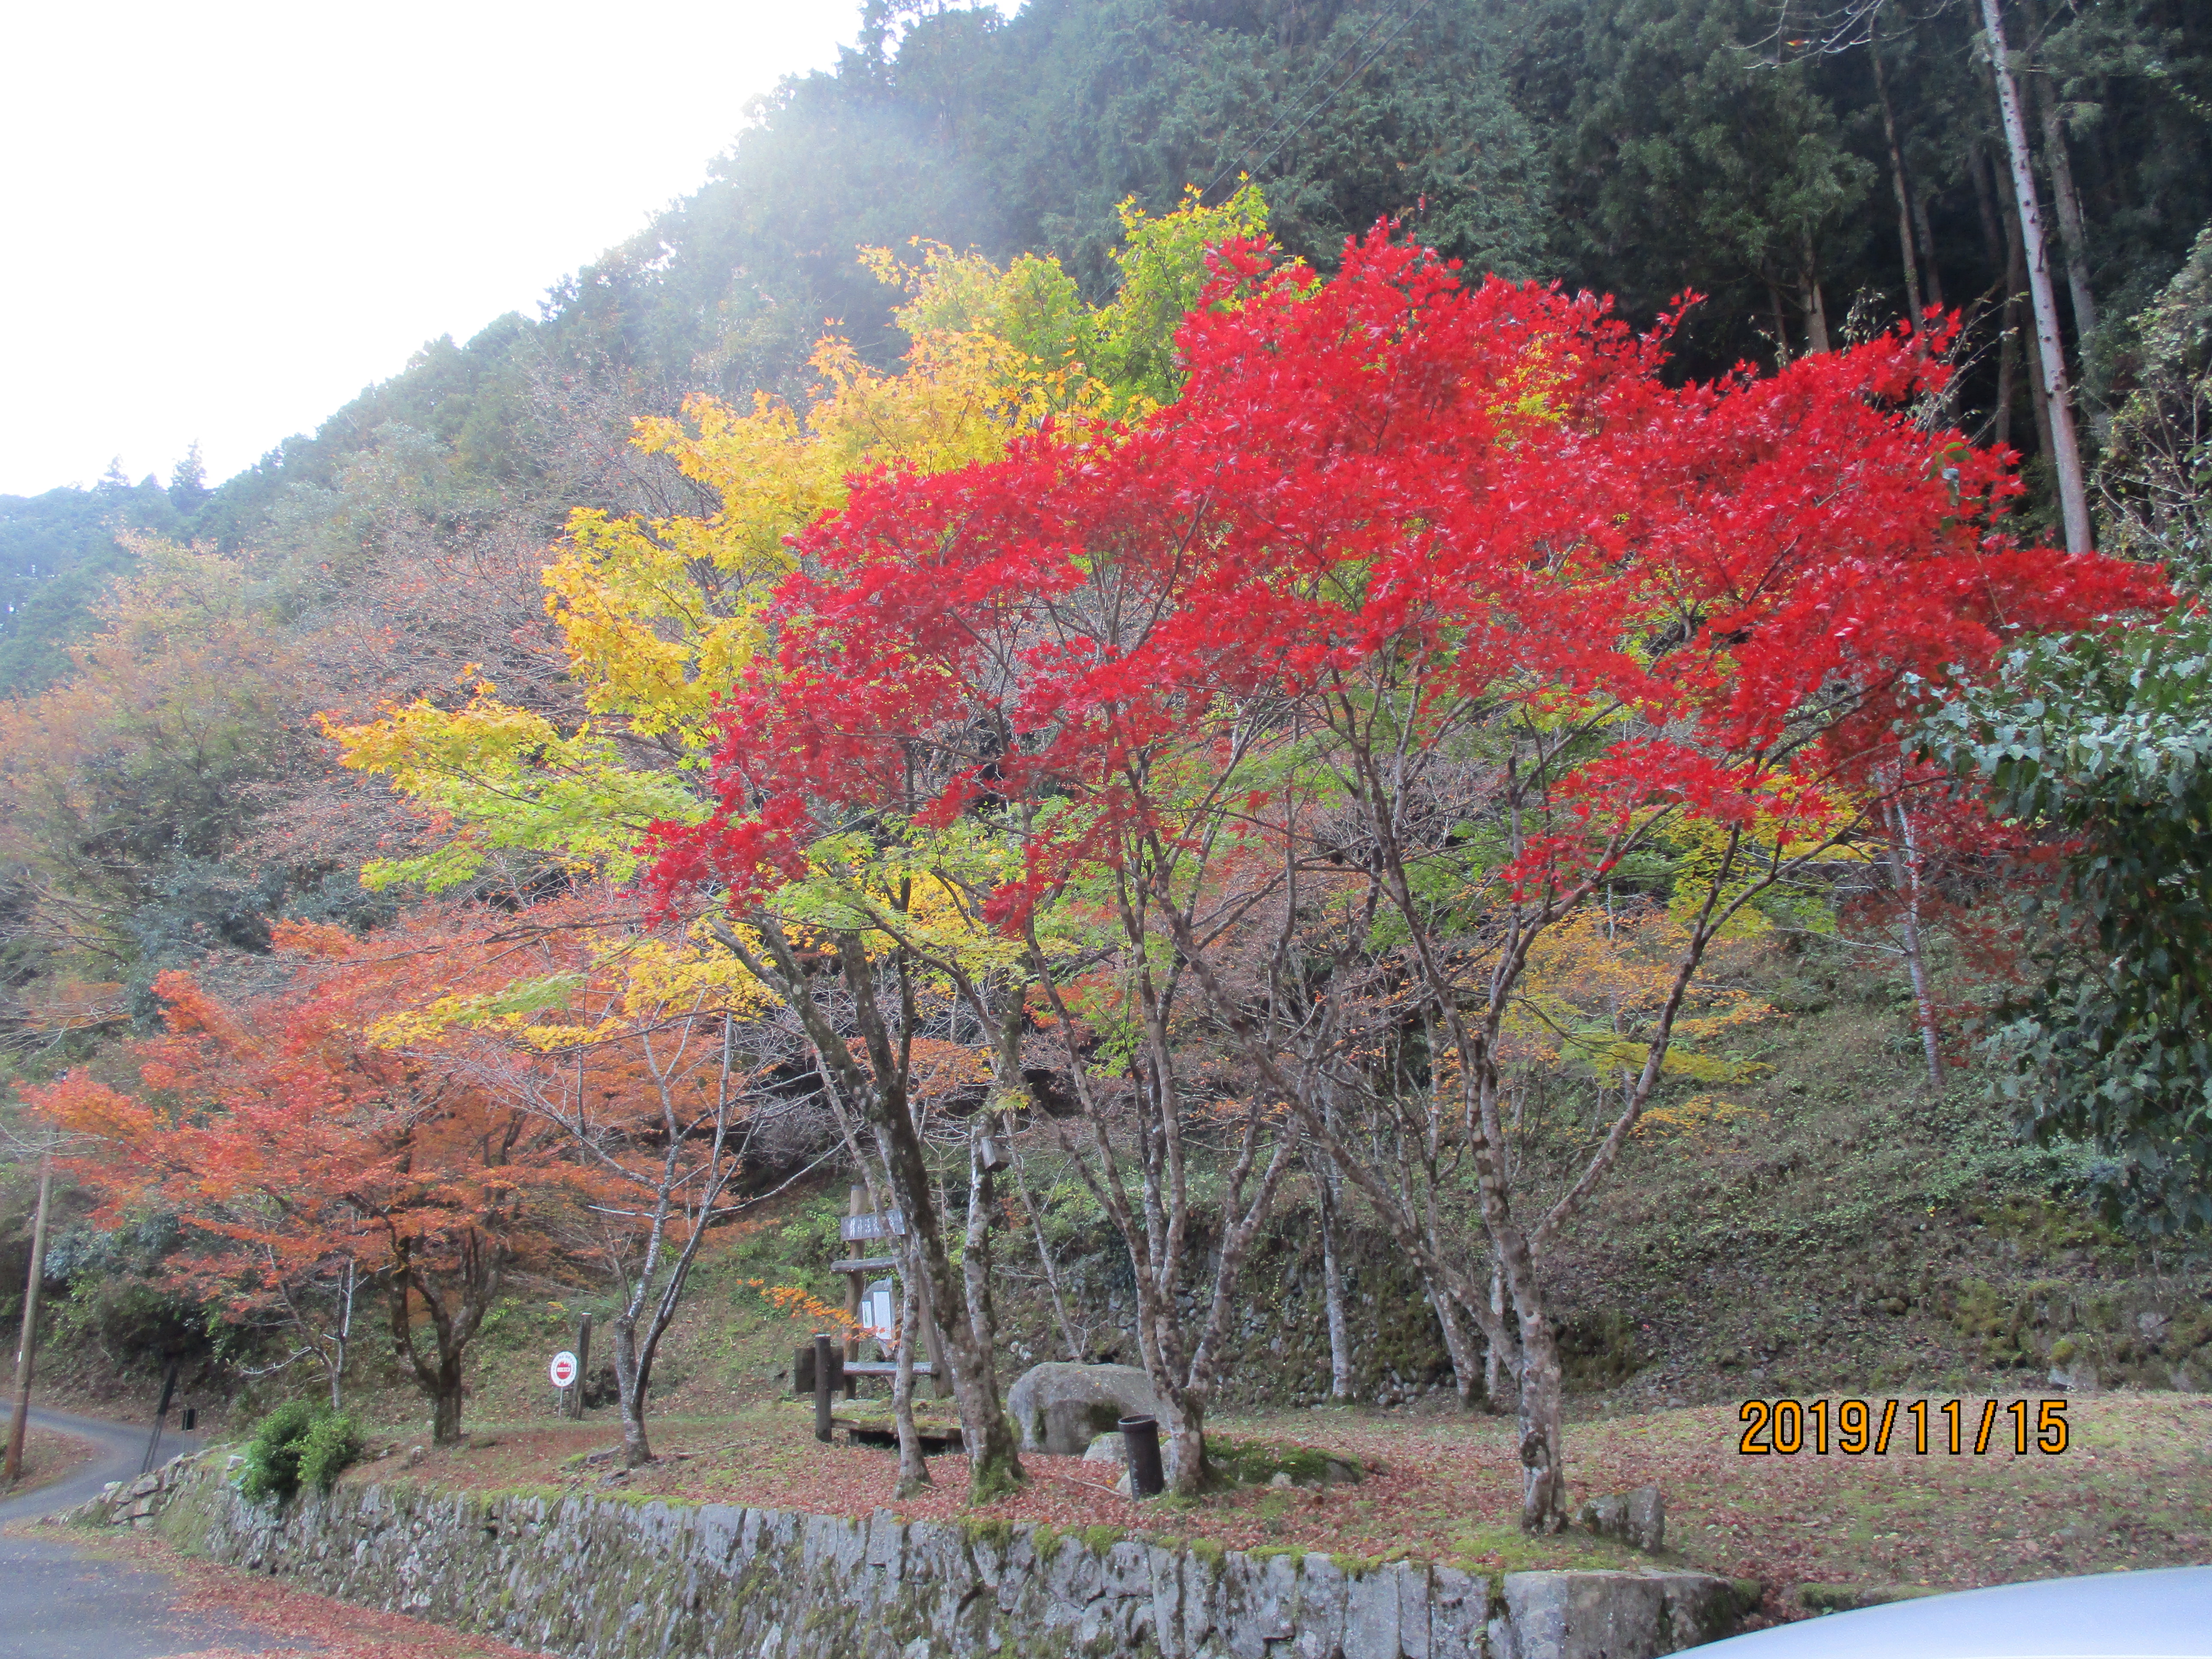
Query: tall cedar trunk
x,y
2058,160
2065,451
2016,283
1897,179
2008,316
1816,306
1928,265
1781,328
2073,229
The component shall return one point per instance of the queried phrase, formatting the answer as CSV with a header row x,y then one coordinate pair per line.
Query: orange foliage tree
x,y
288,1141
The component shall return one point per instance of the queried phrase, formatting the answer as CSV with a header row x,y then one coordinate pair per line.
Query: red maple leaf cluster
x,y
1488,494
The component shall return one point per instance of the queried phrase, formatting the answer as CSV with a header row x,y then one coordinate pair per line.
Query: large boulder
x,y
1060,1408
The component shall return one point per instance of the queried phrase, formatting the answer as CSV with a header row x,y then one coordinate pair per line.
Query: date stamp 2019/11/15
x,y
1783,1428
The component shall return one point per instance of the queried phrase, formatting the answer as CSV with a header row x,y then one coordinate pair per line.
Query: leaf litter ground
x,y
2134,1490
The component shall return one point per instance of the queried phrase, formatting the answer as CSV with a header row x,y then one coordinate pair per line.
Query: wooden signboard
x,y
858,1229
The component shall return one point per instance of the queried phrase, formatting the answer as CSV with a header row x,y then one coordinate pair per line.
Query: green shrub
x,y
298,1441
333,1446
272,1456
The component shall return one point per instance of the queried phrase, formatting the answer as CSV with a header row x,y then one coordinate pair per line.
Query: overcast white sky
x,y
223,220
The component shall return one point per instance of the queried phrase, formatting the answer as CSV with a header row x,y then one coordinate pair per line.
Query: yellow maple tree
x,y
657,616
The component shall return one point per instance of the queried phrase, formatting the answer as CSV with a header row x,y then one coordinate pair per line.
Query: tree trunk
x,y
2039,399
1905,865
445,1406
1999,245
1542,1446
1897,179
1494,1360
975,1255
995,1464
1928,265
630,1384
1064,1325
26,1351
1816,306
913,1468
1182,1446
335,1349
2066,455
1332,1273
1543,1461
1459,1343
2072,225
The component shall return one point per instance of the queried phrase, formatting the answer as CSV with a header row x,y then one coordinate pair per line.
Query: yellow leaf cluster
x,y
659,616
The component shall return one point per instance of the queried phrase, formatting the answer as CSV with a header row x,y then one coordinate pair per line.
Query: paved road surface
x,y
58,1602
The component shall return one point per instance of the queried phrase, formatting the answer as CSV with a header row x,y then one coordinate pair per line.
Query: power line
x,y
1319,75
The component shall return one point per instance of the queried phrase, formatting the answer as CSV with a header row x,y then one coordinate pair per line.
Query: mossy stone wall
x,y
617,1579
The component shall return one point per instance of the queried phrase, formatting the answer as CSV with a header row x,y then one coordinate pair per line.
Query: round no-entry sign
x,y
563,1369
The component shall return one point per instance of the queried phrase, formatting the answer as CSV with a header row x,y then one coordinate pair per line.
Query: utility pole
x,y
2066,449
26,1351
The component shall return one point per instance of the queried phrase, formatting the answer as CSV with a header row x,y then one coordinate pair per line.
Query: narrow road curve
x,y
60,1601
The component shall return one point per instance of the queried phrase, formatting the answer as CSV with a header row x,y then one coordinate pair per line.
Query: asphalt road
x,y
60,1601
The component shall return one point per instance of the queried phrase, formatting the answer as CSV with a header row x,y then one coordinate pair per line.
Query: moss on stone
x,y
1100,1539
993,1479
989,1529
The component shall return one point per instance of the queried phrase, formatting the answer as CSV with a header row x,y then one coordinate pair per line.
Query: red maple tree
x,y
1435,596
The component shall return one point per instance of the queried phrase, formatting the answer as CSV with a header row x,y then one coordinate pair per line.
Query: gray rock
x,y
1060,1408
1586,1615
1647,1519
1107,1448
1636,1518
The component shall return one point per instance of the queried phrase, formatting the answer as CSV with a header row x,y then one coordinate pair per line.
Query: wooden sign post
x,y
863,1228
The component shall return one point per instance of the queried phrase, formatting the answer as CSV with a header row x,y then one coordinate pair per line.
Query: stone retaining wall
x,y
609,1578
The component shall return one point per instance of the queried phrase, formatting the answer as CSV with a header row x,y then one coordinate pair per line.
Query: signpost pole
x,y
856,1203
573,1397
824,1386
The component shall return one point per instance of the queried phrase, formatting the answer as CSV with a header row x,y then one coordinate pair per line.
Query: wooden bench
x,y
875,1432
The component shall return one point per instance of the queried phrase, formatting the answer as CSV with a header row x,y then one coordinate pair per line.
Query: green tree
x,y
2106,739
1701,162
